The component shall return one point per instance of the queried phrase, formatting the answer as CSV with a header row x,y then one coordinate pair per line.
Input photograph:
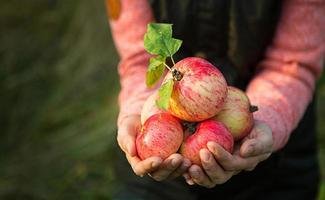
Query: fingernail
x,y
188,179
196,173
205,155
155,164
249,151
186,163
190,182
174,162
211,145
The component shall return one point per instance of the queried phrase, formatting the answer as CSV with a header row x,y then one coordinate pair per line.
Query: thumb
x,y
126,135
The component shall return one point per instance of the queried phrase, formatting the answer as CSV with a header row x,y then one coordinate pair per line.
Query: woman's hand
x,y
172,167
218,165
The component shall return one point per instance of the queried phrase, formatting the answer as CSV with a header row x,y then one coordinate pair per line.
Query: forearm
x,y
128,31
285,83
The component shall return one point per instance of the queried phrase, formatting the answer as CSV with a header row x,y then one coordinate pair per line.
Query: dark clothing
x,y
233,35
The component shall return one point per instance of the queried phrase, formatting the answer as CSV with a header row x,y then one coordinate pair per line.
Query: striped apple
x,y
206,131
201,91
150,108
161,135
237,113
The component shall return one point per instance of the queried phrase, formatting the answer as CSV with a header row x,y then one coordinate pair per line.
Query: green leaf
x,y
174,45
158,40
155,70
165,92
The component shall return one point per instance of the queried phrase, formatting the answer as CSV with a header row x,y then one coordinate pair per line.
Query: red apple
x,y
236,113
150,108
161,135
206,131
200,92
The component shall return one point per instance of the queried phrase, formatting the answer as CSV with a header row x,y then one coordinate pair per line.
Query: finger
x,y
188,179
236,172
251,168
254,161
234,162
224,158
143,167
212,168
261,142
168,166
250,148
231,162
254,147
181,169
199,177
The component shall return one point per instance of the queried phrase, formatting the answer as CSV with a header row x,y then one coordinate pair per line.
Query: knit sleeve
x,y
128,31
285,82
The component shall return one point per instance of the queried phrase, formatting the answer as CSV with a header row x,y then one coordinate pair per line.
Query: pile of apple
x,y
197,107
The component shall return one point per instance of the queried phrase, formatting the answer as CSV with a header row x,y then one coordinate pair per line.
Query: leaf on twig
x,y
155,70
165,92
158,40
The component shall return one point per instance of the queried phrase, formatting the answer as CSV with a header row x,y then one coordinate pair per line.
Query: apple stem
x,y
177,75
171,57
253,108
168,67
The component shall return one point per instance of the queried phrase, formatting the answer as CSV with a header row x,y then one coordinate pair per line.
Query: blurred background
x,y
58,101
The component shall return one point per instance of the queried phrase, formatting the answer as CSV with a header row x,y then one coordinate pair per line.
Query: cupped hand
x,y
172,167
218,165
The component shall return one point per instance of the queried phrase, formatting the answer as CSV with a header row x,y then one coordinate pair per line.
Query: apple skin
x,y
201,92
206,131
150,108
161,135
236,114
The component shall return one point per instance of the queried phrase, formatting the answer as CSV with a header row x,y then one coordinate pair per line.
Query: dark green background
x,y
58,101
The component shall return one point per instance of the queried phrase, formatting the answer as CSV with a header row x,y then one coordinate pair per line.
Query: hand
x,y
219,165
173,166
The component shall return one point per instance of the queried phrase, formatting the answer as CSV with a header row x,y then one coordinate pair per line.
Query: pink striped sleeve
x,y
285,83
128,31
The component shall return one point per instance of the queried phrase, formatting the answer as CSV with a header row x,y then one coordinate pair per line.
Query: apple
x,y
206,131
199,90
150,108
236,113
161,135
